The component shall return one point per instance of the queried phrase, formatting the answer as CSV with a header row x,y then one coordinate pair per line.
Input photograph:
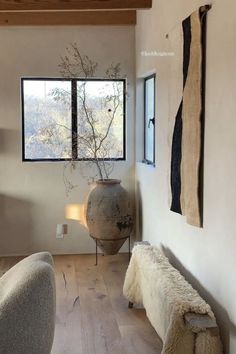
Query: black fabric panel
x,y
176,152
203,17
186,46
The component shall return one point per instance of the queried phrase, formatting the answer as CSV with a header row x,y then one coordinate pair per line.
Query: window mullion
x,y
74,119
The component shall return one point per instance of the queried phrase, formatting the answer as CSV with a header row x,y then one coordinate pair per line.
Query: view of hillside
x,y
48,118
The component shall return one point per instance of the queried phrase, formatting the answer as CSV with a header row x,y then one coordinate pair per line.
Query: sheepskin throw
x,y
152,282
27,306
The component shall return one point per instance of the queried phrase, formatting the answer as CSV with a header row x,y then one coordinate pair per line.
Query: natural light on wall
x,y
76,212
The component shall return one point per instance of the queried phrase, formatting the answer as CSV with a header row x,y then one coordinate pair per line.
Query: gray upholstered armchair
x,y
27,306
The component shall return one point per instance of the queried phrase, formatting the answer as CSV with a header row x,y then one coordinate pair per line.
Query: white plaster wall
x,y
32,195
206,256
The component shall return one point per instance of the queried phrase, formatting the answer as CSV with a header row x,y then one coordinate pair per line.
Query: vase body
x,y
109,215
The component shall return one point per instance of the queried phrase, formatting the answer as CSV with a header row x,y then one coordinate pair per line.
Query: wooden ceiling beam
x,y
68,18
62,5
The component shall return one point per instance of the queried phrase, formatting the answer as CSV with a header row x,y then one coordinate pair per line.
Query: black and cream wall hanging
x,y
188,134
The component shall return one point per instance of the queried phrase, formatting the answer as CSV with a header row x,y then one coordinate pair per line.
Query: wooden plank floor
x,y
92,314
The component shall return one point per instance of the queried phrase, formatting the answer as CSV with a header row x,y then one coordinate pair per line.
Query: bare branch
x,y
93,139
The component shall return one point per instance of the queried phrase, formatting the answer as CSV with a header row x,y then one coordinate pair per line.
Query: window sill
x,y
148,163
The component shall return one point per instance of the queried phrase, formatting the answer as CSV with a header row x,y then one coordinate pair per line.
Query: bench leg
x,y
130,305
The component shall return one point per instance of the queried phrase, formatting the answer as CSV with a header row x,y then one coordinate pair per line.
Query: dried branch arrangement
x,y
96,142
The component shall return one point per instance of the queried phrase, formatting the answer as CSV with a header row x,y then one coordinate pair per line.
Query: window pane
x,y
100,119
47,119
149,118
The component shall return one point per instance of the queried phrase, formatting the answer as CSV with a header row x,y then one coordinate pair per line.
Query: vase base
x,y
110,247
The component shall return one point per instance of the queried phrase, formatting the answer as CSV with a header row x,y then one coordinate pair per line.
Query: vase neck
x,y
108,181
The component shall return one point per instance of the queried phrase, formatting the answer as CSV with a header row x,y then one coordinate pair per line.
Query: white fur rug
x,y
152,282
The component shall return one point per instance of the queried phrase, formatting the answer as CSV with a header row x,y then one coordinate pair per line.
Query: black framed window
x,y
149,119
56,117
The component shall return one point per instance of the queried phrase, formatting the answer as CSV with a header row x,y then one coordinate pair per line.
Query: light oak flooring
x,y
92,314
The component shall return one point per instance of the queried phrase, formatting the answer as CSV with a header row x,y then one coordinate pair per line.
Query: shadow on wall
x,y
139,213
222,317
15,226
10,141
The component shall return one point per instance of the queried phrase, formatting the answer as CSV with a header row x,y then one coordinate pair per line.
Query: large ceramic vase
x,y
109,215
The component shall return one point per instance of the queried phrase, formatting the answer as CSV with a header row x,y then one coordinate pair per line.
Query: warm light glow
x,y
76,212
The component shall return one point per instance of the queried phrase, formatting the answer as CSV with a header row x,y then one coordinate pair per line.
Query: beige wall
x,y
32,195
206,256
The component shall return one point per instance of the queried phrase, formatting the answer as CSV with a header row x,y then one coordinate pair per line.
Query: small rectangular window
x,y
149,119
59,116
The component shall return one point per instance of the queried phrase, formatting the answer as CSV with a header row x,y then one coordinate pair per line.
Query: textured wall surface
x,y
32,195
206,256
